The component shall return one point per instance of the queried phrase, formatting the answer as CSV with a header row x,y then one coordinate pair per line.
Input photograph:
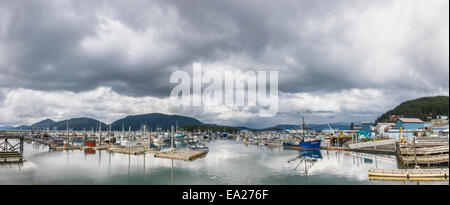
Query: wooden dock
x,y
409,174
430,142
7,157
427,159
423,152
186,155
11,152
274,145
123,150
337,148
372,143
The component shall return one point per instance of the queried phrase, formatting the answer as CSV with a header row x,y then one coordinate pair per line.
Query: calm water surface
x,y
228,162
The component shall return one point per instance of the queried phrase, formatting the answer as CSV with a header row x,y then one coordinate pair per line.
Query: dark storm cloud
x,y
339,60
45,36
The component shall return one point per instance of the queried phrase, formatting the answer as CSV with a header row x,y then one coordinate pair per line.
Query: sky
x,y
337,61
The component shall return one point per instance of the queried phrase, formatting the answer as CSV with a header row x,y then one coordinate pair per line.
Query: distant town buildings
x,y
408,127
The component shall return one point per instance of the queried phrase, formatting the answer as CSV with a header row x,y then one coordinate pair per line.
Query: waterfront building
x,y
409,123
438,129
357,127
366,127
383,128
395,134
440,119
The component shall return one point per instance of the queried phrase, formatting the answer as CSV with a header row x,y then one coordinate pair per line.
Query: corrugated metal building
x,y
409,123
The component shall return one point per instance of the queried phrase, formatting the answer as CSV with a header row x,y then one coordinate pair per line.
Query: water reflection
x,y
171,174
228,162
305,160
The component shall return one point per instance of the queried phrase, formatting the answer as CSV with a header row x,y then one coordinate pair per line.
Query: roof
x,y
365,122
384,123
416,120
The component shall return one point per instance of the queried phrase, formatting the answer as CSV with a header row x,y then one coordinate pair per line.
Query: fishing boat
x,y
305,142
124,142
312,144
159,140
179,136
117,142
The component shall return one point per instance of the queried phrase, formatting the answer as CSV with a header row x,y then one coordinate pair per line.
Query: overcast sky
x,y
337,60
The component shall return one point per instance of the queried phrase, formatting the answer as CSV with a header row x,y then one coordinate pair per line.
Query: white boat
x,y
199,146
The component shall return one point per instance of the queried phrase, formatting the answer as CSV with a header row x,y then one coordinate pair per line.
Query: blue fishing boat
x,y
305,142
312,144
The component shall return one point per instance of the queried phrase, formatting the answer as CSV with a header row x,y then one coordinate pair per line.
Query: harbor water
x,y
227,162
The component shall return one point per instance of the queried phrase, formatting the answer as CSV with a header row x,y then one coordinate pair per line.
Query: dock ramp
x,y
371,143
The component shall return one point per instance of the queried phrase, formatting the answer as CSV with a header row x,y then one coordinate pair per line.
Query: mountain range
x,y
422,108
134,122
153,120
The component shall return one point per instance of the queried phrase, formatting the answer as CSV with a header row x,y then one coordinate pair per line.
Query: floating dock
x,y
423,152
10,157
11,152
186,155
427,159
77,147
337,148
409,174
134,151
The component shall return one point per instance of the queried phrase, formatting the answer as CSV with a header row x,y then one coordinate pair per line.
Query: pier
x,y
186,155
132,151
11,152
409,174
371,143
423,152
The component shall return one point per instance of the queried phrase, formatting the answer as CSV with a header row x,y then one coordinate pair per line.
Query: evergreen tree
x,y
421,108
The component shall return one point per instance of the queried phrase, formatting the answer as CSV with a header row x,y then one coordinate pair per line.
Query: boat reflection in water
x,y
313,154
306,159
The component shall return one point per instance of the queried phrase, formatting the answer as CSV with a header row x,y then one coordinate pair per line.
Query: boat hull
x,y
313,144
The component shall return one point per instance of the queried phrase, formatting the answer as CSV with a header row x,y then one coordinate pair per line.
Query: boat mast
x,y
303,126
67,131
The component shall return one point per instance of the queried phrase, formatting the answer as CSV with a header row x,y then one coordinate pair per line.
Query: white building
x,y
382,129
